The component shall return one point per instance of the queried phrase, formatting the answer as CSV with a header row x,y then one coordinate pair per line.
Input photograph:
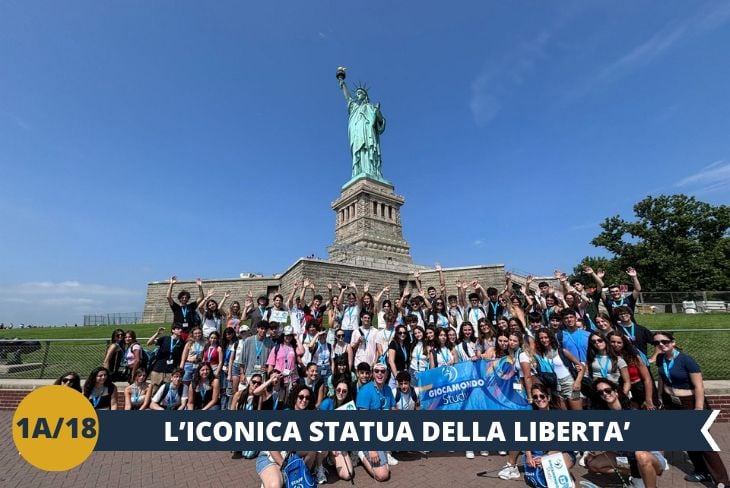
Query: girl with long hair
x,y
137,396
642,384
560,364
603,362
204,393
443,352
100,390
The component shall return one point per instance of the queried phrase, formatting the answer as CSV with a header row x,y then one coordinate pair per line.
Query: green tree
x,y
676,243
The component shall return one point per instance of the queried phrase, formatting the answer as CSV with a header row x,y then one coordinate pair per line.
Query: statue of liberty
x,y
364,127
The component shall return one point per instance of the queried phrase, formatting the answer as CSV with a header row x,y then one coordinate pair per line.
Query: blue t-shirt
x,y
679,370
576,343
370,398
327,404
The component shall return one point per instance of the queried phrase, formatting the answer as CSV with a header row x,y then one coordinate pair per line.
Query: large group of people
x,y
572,348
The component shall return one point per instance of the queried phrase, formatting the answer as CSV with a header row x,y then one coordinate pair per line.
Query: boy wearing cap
x,y
376,395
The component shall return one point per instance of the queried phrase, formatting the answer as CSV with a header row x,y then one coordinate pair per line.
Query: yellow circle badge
x,y
55,428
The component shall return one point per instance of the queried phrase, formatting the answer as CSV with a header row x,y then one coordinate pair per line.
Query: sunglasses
x,y
67,380
539,397
402,333
379,371
597,341
662,342
605,391
303,397
255,382
341,390
340,336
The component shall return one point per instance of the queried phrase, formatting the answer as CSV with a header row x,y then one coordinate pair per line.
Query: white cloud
x,y
662,41
477,243
51,303
713,177
498,80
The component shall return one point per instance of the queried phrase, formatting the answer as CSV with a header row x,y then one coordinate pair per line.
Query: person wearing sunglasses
x,y
301,398
70,379
113,359
376,395
341,349
399,351
603,362
244,399
647,465
342,390
642,384
534,473
682,388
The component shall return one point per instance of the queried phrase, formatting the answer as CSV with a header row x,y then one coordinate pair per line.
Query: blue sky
x,y
144,139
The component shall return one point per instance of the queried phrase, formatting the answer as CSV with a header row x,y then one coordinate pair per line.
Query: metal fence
x,y
675,301
114,319
47,359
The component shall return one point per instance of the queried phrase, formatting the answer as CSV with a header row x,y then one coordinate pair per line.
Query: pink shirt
x,y
284,359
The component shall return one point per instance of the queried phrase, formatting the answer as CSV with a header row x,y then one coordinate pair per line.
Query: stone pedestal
x,y
368,225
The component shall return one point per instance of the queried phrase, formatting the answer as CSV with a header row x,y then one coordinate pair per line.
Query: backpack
x,y
296,474
399,395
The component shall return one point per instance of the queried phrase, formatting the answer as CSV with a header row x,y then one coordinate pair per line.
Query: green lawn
x,y
708,347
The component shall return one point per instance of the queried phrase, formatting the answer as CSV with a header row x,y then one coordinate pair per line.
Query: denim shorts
x,y
662,459
190,369
262,462
235,369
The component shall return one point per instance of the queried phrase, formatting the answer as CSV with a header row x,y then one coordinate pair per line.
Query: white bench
x,y
712,306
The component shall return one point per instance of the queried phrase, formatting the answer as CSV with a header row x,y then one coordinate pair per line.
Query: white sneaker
x,y
637,483
502,453
582,458
509,472
470,454
484,453
391,460
321,475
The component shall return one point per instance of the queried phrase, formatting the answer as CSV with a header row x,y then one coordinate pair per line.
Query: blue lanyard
x,y
203,390
173,344
546,363
618,304
445,357
404,351
276,399
259,347
668,367
603,363
210,352
632,334
171,399
96,399
135,394
495,307
184,311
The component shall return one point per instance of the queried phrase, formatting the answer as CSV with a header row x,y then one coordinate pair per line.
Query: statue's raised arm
x,y
365,125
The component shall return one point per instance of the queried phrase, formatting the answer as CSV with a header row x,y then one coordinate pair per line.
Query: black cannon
x,y
10,351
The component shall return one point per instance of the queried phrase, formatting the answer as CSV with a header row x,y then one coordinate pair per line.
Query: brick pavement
x,y
201,469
